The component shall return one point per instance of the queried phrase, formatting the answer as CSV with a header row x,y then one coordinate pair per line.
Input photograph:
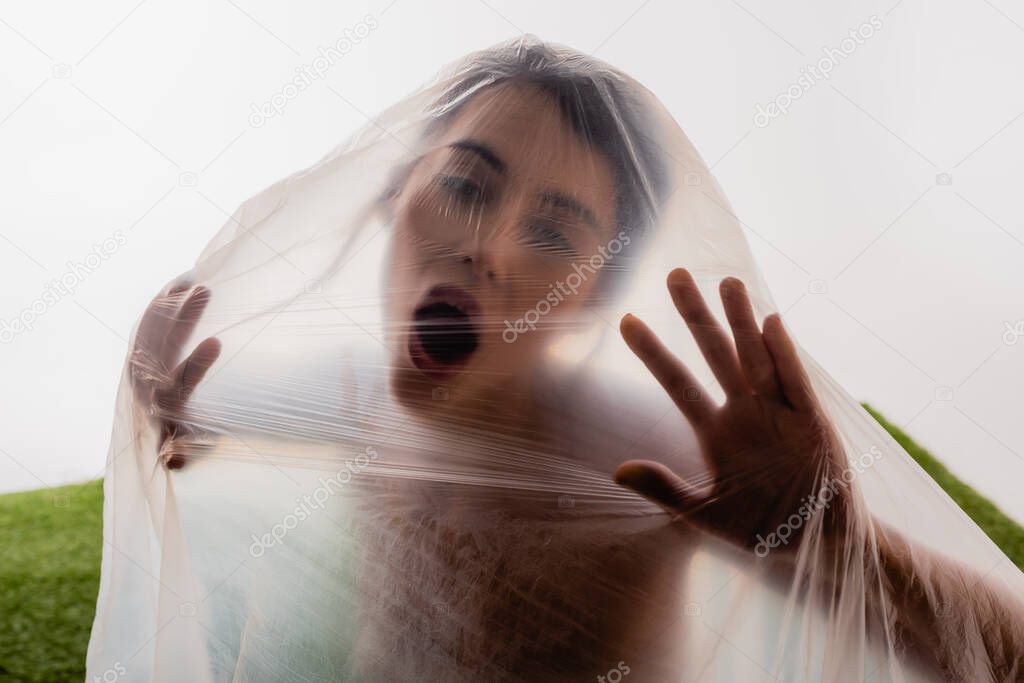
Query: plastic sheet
x,y
394,425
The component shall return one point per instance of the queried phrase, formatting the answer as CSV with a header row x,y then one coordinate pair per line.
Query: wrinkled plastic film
x,y
372,435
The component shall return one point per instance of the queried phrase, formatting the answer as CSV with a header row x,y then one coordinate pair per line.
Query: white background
x,y
900,285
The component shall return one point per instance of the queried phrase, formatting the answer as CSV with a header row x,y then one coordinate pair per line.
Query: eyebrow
x,y
483,151
551,197
562,201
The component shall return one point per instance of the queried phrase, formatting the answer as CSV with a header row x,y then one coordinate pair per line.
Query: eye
x,y
463,190
546,236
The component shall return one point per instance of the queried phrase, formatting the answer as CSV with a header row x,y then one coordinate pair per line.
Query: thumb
x,y
659,484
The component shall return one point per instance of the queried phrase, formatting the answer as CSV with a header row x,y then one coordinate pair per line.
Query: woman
x,y
530,200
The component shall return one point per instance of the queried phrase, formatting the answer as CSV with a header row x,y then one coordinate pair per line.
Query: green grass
x,y
50,543
50,566
1003,531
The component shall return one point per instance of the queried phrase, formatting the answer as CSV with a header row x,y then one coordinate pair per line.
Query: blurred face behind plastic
x,y
496,230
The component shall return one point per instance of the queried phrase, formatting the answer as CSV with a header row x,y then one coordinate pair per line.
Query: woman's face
x,y
498,229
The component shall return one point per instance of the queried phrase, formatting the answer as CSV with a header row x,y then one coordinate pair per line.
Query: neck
x,y
504,409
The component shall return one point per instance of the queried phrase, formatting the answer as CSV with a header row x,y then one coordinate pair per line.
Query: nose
x,y
482,261
486,245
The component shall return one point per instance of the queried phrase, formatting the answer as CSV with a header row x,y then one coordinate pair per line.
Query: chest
x,y
505,593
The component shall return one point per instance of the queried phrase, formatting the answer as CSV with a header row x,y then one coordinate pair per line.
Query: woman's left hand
x,y
769,449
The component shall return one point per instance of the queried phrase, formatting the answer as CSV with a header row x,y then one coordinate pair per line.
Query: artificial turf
x,y
50,542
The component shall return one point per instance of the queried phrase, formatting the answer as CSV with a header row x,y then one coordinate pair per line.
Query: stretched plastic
x,y
378,432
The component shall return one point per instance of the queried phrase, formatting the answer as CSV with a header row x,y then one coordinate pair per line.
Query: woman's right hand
x,y
161,387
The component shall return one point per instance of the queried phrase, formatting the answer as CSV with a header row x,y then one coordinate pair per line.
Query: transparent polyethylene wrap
x,y
494,392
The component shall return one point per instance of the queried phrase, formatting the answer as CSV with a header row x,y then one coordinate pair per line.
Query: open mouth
x,y
444,333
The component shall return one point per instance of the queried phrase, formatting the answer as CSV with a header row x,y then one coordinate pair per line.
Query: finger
x,y
658,484
182,447
147,362
144,363
157,319
176,452
170,455
188,375
166,304
179,286
190,372
681,386
712,340
796,385
184,323
755,360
